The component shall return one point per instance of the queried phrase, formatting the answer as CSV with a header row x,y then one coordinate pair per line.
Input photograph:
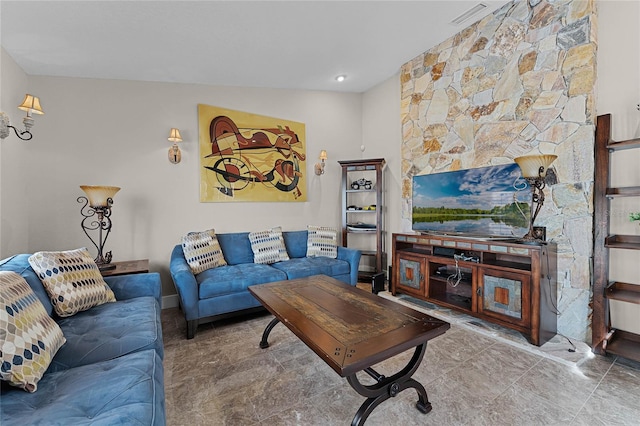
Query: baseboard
x,y
170,301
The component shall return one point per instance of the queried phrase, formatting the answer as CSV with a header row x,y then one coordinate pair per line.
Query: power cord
x,y
548,277
573,347
457,276
555,307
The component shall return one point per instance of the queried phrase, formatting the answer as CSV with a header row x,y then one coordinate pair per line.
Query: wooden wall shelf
x,y
631,242
631,191
612,301
623,292
620,145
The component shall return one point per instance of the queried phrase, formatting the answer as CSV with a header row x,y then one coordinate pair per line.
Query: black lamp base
x,y
538,237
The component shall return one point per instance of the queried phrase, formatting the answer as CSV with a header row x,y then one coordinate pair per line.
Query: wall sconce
x,y
31,105
534,170
97,215
174,152
320,166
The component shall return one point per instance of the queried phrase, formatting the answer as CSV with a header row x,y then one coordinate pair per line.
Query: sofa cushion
x,y
236,248
29,338
296,242
72,280
322,241
109,331
307,266
125,391
19,264
235,279
202,251
268,246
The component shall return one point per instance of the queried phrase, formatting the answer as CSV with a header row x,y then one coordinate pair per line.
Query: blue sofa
x,y
219,292
109,372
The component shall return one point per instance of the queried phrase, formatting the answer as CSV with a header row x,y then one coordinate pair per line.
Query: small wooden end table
x,y
127,267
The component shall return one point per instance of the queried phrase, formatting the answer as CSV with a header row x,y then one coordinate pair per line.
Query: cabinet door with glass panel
x,y
410,274
504,295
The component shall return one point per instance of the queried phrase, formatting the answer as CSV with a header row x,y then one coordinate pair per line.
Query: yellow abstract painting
x,y
250,157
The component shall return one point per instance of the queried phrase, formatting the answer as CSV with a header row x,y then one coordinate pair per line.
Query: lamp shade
x,y
174,135
531,164
323,154
31,104
98,195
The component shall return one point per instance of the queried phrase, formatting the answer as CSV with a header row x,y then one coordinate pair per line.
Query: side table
x,y
127,267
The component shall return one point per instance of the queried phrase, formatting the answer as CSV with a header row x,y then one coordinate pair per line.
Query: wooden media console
x,y
498,280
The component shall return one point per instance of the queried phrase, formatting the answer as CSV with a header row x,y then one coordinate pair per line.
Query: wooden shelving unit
x,y
605,338
368,211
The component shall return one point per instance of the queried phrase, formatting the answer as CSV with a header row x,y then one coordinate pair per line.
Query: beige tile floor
x,y
222,377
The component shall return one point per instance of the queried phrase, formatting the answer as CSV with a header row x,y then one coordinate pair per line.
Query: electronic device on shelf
x,y
359,226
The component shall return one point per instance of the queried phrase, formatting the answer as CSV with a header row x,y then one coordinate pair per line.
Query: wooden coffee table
x,y
352,330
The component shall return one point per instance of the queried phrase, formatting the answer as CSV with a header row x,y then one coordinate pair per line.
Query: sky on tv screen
x,y
457,194
473,188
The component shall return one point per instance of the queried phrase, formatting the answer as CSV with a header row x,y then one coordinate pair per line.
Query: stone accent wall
x,y
520,81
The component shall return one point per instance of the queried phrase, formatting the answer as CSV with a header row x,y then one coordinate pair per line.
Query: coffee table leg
x,y
265,335
389,387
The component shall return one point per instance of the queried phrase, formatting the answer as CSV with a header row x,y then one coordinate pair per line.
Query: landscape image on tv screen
x,y
484,202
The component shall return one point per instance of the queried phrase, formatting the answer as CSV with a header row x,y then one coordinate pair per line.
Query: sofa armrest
x,y
353,257
136,285
185,283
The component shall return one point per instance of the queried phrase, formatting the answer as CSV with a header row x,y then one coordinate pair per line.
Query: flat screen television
x,y
486,202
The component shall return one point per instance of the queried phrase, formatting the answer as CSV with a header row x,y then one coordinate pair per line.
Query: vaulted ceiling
x,y
277,44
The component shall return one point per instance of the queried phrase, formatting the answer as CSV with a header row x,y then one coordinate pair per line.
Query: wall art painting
x,y
250,157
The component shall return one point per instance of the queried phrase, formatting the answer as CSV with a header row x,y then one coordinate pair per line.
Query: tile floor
x,y
222,377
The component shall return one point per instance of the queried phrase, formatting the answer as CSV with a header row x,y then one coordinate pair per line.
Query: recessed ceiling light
x,y
341,78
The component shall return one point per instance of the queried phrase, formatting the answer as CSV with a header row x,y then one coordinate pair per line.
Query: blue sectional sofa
x,y
109,372
221,291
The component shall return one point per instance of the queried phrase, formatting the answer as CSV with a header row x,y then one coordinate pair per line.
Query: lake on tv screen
x,y
487,201
480,226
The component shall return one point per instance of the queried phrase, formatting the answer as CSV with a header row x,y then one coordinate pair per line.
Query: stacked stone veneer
x,y
520,81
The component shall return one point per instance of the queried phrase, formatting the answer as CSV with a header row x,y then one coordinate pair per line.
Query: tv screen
x,y
484,202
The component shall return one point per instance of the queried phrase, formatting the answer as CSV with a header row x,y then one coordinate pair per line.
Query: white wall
x,y
618,84
14,161
381,138
108,132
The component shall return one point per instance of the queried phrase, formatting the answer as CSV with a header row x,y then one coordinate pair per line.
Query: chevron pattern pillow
x,y
268,246
29,337
72,280
202,251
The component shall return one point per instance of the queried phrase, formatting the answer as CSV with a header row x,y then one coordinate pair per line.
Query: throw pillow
x,y
202,251
322,241
72,280
29,338
268,246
